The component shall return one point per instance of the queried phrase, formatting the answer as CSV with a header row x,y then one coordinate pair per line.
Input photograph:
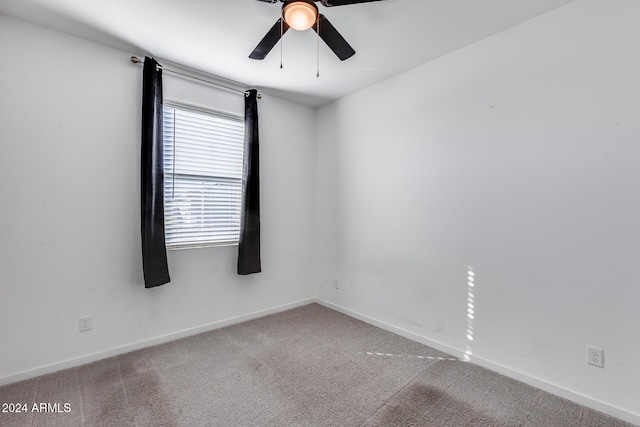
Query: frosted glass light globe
x,y
300,15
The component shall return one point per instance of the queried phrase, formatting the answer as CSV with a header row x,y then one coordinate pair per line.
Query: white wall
x,y
70,197
517,156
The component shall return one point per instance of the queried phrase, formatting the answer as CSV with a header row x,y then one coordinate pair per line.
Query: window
x,y
203,159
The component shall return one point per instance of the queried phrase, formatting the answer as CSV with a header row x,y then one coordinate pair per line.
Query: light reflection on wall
x,y
471,311
471,314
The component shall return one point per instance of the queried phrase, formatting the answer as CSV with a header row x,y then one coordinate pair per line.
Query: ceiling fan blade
x,y
333,39
269,40
330,3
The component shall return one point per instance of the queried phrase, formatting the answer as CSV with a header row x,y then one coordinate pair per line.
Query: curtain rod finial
x,y
136,60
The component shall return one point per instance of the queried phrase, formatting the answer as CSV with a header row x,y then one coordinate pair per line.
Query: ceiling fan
x,y
302,15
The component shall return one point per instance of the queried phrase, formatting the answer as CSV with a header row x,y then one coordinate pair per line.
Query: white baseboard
x,y
88,358
541,384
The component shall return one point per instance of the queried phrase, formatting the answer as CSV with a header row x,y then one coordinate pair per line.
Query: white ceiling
x,y
216,36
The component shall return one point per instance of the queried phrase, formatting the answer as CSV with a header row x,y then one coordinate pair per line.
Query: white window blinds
x,y
203,159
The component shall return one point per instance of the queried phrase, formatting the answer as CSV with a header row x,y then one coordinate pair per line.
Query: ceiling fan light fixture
x,y
300,15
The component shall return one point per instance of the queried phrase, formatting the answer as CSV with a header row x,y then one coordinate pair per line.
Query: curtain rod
x,y
136,60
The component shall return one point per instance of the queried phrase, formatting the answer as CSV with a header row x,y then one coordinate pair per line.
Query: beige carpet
x,y
309,366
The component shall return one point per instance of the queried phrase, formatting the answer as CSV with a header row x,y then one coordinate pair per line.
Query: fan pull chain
x,y
318,47
281,36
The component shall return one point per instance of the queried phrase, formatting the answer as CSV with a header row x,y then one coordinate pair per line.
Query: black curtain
x,y
249,245
154,251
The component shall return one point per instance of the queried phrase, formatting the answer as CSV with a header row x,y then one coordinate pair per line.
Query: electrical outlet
x,y
335,284
595,356
85,323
